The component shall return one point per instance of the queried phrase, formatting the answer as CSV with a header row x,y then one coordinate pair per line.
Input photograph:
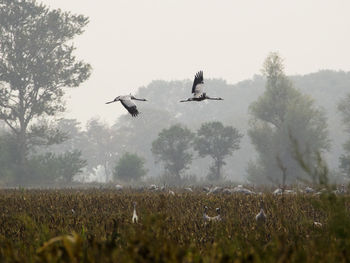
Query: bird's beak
x,y
110,101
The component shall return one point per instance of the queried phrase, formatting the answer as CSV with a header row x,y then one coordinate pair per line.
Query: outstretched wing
x,y
198,84
130,106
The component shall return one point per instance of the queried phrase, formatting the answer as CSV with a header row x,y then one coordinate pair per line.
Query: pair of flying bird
x,y
197,91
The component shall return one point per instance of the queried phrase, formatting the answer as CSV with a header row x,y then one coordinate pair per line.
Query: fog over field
x,y
131,43
282,70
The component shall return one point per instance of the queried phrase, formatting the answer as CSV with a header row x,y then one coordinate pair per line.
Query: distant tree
x,y
217,141
129,167
345,164
101,146
50,167
172,147
58,136
8,156
282,113
344,108
71,128
36,63
98,143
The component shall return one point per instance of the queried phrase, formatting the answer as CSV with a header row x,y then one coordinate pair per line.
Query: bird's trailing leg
x,y
209,98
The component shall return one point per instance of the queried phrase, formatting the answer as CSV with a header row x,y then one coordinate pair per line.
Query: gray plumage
x,y
128,104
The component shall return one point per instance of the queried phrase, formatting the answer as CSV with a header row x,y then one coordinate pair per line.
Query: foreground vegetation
x,y
95,226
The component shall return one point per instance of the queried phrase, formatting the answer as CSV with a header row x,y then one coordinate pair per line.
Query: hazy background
x,y
130,43
153,49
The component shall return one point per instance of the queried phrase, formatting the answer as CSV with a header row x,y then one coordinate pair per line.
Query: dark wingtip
x,y
135,114
199,75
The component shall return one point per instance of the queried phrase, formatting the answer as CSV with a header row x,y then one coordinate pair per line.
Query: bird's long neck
x,y
262,211
138,99
189,99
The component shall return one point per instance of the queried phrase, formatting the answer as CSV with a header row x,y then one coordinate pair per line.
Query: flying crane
x,y
128,104
198,88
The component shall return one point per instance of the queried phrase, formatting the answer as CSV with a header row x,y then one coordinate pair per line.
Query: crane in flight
x,y
198,88
128,104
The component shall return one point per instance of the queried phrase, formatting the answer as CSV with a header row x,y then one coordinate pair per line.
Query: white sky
x,y
129,43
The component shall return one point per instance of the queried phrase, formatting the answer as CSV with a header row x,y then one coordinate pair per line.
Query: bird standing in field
x,y
135,218
218,217
317,224
197,89
128,104
261,216
211,218
205,215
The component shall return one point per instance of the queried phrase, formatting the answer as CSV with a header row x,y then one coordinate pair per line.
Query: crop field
x,y
95,226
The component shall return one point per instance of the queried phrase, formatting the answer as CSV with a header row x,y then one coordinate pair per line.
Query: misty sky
x,y
130,43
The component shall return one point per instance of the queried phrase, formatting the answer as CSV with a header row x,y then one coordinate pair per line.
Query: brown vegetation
x,y
95,226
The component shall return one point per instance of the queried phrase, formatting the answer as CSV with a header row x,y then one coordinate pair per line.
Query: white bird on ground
x,y
206,189
317,224
261,216
309,190
197,89
215,190
205,215
323,190
128,104
153,187
171,193
227,191
340,190
119,187
135,218
211,218
218,217
290,192
278,191
240,189
188,189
